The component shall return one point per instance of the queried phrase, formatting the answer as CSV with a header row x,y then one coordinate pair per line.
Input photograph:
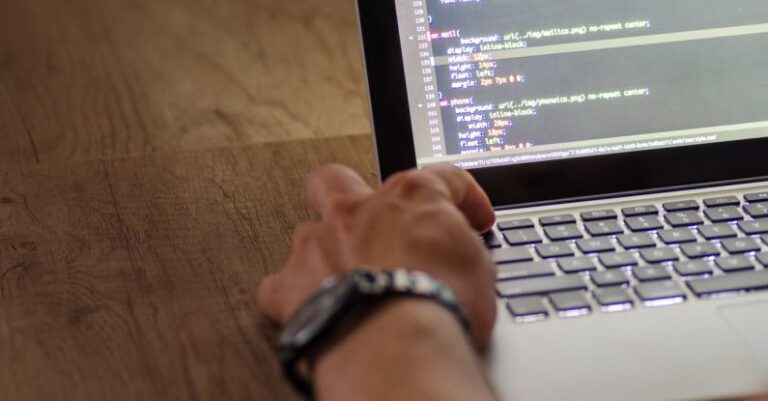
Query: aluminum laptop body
x,y
624,145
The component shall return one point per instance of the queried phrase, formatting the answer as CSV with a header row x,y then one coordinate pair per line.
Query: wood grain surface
x,y
152,161
94,79
134,278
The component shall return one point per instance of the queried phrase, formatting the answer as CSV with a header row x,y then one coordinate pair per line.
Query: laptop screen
x,y
502,82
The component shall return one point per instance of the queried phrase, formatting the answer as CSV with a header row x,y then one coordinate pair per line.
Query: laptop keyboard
x,y
608,260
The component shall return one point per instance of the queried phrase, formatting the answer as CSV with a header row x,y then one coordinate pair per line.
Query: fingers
x,y
268,299
466,194
272,299
327,184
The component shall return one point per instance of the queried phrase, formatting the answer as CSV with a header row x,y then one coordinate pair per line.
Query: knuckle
x,y
438,226
412,183
435,225
436,214
440,216
268,298
342,206
303,234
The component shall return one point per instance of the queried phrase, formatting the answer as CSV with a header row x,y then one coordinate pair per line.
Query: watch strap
x,y
371,289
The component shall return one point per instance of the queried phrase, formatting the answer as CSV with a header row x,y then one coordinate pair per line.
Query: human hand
x,y
426,220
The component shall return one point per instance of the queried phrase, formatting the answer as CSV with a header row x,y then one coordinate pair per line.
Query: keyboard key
x,y
511,255
576,264
651,273
516,224
612,296
740,245
643,223
491,240
617,259
540,285
757,210
517,271
723,214
679,206
554,250
693,267
569,301
752,227
762,258
756,197
527,306
677,236
595,245
606,214
609,278
522,237
634,241
699,250
603,228
557,220
659,255
562,233
658,290
639,210
736,263
683,219
722,201
717,231
744,281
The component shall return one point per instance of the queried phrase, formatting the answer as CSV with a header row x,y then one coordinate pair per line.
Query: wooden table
x,y
152,159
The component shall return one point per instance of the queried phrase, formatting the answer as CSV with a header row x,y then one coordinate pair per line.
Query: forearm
x,y
409,350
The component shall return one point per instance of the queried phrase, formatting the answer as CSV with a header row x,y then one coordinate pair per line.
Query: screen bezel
x,y
541,182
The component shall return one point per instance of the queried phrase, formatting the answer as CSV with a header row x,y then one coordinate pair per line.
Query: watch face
x,y
316,312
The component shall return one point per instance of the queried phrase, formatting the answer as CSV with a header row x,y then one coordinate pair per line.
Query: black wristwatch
x,y
340,304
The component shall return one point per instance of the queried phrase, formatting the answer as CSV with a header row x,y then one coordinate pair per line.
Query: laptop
x,y
624,145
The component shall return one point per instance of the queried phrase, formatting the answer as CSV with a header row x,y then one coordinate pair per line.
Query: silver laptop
x,y
625,147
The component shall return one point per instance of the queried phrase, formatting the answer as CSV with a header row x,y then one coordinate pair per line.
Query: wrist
x,y
409,346
410,321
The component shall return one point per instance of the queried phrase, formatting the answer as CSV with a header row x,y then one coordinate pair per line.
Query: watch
x,y
341,303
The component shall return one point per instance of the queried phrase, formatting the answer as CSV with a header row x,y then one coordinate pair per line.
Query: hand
x,y
426,220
